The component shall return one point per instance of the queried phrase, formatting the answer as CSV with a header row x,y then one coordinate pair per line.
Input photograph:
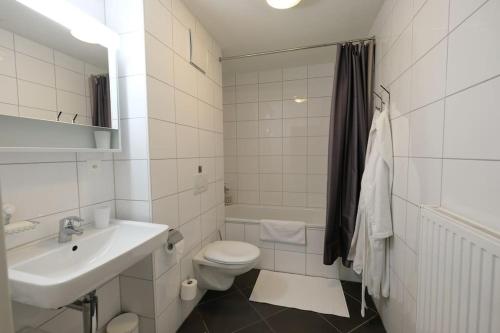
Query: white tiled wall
x,y
275,148
39,82
437,58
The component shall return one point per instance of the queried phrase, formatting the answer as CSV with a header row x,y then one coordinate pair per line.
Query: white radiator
x,y
458,275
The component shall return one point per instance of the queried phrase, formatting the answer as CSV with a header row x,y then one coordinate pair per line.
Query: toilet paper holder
x,y
174,237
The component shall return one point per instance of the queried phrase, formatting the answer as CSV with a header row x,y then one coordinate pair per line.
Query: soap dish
x,y
21,226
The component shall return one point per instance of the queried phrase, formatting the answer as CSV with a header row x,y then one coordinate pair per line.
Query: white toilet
x,y
218,263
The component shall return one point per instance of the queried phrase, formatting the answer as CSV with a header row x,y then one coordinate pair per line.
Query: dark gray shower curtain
x,y
349,127
100,99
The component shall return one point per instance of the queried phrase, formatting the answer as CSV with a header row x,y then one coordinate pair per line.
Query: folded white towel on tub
x,y
291,232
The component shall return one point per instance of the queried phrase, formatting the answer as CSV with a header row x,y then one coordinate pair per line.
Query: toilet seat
x,y
231,252
217,264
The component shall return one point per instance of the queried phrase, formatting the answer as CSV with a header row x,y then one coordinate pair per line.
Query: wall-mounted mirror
x,y
56,77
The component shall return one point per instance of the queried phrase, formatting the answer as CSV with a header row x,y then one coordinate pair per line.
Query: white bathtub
x,y
314,218
243,224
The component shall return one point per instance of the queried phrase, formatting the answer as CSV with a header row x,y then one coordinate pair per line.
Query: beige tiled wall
x,y
276,148
196,141
170,129
439,62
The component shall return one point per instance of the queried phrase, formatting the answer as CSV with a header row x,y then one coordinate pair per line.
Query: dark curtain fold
x,y
100,100
349,127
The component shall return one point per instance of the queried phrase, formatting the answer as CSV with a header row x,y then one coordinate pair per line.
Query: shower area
x,y
276,109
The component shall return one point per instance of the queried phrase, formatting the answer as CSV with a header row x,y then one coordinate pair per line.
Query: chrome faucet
x,y
67,228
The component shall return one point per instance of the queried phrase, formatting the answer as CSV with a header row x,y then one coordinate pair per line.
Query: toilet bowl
x,y
218,263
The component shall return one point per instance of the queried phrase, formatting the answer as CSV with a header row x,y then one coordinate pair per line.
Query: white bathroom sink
x,y
50,275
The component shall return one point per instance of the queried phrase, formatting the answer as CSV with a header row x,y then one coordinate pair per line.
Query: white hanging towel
x,y
370,243
291,232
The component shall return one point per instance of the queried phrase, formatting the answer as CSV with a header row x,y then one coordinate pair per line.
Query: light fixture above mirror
x,y
82,26
283,4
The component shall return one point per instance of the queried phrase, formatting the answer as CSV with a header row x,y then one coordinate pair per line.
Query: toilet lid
x,y
231,252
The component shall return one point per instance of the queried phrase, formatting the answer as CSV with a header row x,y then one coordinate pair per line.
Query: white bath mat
x,y
302,292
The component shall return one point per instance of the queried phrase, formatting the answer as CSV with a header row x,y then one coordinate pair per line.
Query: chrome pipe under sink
x,y
88,306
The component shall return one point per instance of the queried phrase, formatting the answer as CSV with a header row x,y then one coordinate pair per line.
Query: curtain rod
x,y
294,49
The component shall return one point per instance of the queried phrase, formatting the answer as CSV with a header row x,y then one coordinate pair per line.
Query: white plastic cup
x,y
101,217
102,139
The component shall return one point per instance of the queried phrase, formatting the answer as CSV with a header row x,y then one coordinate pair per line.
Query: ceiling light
x,y
300,100
283,4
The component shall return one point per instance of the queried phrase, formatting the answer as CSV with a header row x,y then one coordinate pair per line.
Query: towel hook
x,y
387,91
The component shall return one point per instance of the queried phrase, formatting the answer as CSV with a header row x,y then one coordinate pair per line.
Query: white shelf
x,y
33,135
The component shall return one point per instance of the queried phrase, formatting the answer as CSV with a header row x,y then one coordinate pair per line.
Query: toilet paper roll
x,y
177,250
189,289
169,249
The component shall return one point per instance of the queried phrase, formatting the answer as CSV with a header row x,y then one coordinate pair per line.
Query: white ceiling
x,y
246,26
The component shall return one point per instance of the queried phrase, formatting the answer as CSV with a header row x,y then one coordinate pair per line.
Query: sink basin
x,y
50,275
